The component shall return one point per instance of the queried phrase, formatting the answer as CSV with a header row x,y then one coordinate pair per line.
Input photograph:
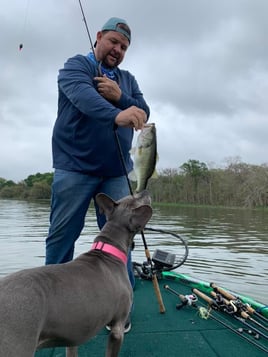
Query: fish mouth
x,y
149,125
145,196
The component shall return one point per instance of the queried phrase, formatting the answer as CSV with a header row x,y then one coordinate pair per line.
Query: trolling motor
x,y
161,259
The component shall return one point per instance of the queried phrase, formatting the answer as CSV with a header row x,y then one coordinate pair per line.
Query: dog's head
x,y
132,212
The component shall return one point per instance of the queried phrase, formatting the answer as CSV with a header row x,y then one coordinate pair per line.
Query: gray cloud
x,y
202,66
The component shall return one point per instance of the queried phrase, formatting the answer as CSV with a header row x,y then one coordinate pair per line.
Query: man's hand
x,y
133,117
108,88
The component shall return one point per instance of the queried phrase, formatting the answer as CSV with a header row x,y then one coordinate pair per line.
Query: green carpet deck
x,y
176,333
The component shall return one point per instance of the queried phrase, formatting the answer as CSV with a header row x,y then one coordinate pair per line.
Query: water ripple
x,y
226,246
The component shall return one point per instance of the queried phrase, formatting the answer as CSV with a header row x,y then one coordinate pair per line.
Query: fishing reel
x,y
146,270
230,307
188,300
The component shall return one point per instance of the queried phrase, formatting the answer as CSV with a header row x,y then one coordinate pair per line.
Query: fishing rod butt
x,y
162,308
222,291
180,296
203,296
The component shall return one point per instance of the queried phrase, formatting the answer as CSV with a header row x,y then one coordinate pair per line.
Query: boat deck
x,y
175,333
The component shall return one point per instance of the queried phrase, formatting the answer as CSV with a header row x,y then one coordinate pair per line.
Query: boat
x,y
198,320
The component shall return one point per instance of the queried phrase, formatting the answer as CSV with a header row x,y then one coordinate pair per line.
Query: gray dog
x,y
67,304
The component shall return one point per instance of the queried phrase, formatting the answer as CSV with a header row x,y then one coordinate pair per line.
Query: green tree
x,y
32,179
196,173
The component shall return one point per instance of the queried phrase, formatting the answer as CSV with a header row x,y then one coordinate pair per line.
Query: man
x,y
95,99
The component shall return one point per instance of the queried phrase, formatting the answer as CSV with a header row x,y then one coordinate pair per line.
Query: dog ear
x,y
140,217
106,204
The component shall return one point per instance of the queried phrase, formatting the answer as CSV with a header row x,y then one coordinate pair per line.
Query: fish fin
x,y
132,151
132,176
154,175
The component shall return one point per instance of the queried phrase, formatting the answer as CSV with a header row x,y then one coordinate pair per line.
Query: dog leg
x,y
115,340
71,352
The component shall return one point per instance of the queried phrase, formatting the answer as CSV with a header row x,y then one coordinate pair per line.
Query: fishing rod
x,y
90,40
234,308
191,300
238,302
146,249
147,253
88,33
222,307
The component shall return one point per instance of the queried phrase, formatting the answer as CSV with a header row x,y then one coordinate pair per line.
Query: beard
x,y
111,60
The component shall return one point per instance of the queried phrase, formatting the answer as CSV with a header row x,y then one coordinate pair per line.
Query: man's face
x,y
111,48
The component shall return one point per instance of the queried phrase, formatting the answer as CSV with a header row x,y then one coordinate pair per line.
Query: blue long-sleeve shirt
x,y
83,136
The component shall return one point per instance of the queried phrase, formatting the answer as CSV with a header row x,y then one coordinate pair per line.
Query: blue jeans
x,y
71,196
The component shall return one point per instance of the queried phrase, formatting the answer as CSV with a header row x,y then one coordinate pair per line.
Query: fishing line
x,y
90,40
88,33
26,14
24,24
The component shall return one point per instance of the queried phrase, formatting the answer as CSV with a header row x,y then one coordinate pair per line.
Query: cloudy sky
x,y
201,64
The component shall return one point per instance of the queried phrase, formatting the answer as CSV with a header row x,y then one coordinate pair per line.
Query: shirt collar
x,y
110,73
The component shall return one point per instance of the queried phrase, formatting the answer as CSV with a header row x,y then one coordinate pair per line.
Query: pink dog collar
x,y
108,248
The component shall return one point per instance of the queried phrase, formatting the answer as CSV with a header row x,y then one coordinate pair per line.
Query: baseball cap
x,y
118,25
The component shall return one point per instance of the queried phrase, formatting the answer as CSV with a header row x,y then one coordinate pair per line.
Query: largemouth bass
x,y
144,157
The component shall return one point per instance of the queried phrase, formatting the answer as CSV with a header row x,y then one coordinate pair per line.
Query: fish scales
x,y
145,157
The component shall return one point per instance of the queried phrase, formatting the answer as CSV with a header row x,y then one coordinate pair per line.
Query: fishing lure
x,y
203,313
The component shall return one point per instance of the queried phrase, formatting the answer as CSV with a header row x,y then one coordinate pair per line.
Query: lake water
x,y
226,246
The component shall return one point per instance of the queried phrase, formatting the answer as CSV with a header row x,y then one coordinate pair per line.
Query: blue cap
x,y
118,25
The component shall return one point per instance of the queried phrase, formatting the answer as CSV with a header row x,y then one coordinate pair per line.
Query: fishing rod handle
x,y
250,309
162,308
147,254
232,297
225,301
225,293
244,314
203,296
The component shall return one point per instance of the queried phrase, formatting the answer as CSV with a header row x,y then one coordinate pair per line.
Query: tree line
x,y
236,185
34,187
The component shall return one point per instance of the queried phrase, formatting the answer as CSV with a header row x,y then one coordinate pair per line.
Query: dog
x,y
68,304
